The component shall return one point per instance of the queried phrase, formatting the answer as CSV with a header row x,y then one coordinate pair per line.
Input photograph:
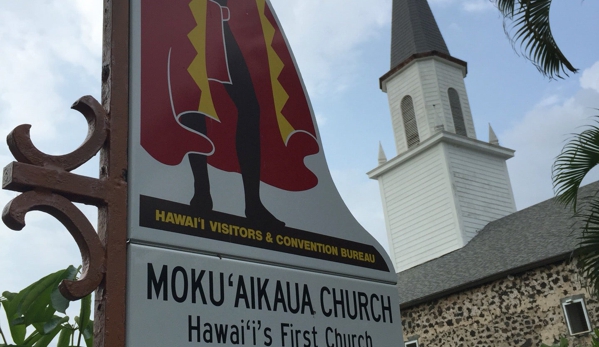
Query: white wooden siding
x,y
420,210
482,186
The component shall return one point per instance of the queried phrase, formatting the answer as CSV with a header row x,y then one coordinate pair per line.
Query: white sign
x,y
183,299
225,154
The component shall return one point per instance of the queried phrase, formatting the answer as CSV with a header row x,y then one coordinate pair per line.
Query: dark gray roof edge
x,y
485,280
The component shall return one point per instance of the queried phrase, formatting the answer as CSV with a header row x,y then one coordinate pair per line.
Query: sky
x,y
50,56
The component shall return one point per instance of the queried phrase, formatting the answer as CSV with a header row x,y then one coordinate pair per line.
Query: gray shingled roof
x,y
540,234
414,30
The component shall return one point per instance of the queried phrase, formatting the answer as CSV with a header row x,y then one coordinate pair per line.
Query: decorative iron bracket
x,y
48,186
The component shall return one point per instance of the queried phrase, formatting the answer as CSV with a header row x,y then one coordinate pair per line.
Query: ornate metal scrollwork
x,y
48,186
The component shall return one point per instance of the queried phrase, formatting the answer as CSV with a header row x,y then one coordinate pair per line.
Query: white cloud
x,y
478,6
47,49
540,136
28,88
90,26
548,101
325,35
590,78
442,2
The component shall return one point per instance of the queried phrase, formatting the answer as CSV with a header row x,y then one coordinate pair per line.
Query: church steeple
x,y
444,185
413,31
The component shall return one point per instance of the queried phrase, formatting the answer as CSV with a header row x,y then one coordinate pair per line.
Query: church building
x,y
471,270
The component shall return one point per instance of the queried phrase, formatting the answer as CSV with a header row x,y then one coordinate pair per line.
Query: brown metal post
x,y
112,218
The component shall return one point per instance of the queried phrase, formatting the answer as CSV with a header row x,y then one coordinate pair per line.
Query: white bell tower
x,y
444,185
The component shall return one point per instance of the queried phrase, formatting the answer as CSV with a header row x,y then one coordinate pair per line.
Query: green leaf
x,y
34,291
45,340
595,338
41,308
59,302
32,304
85,312
17,332
33,338
11,303
18,321
8,296
51,324
88,334
65,337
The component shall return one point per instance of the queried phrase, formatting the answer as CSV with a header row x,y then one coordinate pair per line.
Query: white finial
x,y
382,156
492,137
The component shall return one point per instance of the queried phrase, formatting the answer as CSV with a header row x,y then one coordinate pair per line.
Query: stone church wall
x,y
518,310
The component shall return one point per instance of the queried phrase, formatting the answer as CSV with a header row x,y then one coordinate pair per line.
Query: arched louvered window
x,y
409,121
456,112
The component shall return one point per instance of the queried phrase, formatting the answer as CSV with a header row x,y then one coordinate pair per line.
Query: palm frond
x,y
506,7
527,22
588,248
579,156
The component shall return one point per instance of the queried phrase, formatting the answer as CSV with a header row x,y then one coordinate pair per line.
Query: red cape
x,y
167,53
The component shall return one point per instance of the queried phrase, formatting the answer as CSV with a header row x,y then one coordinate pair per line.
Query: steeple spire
x,y
414,31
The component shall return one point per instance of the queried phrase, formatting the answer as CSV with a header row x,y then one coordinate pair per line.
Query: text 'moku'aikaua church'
x,y
472,271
